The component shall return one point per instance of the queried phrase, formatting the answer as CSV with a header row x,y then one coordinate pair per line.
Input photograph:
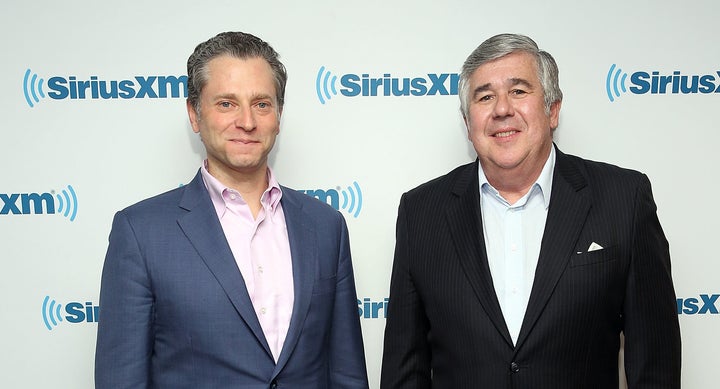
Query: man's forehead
x,y
512,69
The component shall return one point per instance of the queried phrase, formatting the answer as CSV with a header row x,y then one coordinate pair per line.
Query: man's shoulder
x,y
599,171
458,178
157,204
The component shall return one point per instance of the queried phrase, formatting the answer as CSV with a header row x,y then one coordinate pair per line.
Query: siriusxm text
x,y
329,196
675,83
139,87
387,85
702,305
78,312
27,203
369,309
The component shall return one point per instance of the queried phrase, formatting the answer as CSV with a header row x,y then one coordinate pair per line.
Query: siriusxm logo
x,y
654,82
64,203
351,198
74,312
704,304
352,85
137,87
369,309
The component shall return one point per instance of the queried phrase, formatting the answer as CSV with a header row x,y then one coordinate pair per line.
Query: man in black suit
x,y
522,269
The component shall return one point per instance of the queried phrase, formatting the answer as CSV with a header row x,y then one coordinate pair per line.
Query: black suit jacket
x,y
445,328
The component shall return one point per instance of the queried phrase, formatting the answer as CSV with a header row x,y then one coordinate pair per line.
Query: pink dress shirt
x,y
262,253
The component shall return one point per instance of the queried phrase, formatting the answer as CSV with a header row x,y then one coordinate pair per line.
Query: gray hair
x,y
500,46
236,44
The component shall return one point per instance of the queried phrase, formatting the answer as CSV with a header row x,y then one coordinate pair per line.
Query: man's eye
x,y
518,92
225,104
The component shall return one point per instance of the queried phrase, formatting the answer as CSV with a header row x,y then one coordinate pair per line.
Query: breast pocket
x,y
606,254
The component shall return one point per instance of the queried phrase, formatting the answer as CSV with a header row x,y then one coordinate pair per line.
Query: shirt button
x,y
263,310
514,367
232,197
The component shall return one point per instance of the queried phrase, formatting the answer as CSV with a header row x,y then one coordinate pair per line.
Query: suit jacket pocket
x,y
325,285
597,256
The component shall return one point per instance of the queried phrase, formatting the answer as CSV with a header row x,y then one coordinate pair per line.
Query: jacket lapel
x,y
567,213
303,250
203,229
465,225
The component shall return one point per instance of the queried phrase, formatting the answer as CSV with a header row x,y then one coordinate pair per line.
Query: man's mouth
x,y
505,134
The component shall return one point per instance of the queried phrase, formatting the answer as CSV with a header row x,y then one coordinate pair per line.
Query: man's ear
x,y
193,116
555,114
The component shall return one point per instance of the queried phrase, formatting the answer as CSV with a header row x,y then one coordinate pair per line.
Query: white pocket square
x,y
594,247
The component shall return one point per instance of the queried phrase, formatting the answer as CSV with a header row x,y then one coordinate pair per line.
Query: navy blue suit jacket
x,y
175,312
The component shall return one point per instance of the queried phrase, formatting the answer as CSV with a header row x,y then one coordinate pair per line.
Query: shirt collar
x,y
543,182
218,191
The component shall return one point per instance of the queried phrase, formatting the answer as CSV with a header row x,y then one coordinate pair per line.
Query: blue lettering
x,y
709,304
37,201
374,84
29,203
368,309
363,85
10,205
690,306
108,94
707,84
174,83
454,81
127,90
418,86
141,87
350,81
331,196
58,90
146,87
78,313
438,84
641,85
675,83
75,312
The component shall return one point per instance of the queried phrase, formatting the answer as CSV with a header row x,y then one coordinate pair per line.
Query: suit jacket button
x,y
514,367
273,385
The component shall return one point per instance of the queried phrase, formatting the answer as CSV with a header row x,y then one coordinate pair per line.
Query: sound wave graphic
x,y
67,203
615,82
352,199
32,87
51,313
325,85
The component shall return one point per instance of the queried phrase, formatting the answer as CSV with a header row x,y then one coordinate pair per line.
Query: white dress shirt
x,y
513,233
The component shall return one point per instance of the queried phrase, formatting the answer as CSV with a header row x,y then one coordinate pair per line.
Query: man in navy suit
x,y
522,269
231,281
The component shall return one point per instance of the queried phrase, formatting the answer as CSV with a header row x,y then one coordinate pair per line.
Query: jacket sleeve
x,y
652,333
347,354
124,339
406,353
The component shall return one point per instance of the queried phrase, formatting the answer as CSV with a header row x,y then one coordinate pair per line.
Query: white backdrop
x,y
111,152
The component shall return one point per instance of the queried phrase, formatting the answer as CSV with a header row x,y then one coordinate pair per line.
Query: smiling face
x,y
507,121
239,117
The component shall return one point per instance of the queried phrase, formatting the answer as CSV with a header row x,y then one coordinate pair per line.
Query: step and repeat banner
x,y
93,119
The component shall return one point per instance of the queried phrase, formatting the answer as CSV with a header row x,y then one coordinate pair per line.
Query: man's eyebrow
x,y
481,89
520,81
253,97
511,81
